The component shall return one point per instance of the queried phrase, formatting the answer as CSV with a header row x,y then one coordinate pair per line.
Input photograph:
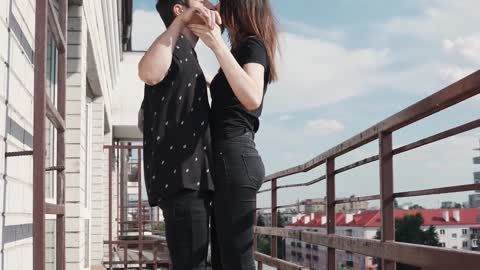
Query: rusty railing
x,y
124,240
389,251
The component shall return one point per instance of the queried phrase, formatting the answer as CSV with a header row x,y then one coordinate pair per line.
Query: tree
x,y
408,230
263,241
395,204
416,206
260,220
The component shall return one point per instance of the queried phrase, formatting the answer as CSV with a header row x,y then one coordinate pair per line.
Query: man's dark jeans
x,y
187,216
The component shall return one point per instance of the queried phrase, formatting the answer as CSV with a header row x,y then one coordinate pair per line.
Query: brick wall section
x,y
98,182
75,139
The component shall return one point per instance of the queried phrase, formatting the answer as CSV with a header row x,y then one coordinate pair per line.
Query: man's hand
x,y
201,15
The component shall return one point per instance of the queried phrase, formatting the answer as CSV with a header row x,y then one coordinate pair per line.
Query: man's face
x,y
201,3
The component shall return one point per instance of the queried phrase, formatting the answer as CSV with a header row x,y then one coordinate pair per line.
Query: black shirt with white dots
x,y
177,143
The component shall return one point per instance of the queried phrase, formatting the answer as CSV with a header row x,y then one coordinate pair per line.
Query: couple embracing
x,y
200,161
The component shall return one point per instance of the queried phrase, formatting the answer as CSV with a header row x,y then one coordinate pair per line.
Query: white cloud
x,y
285,117
454,73
308,30
314,72
465,57
320,127
440,19
467,47
450,29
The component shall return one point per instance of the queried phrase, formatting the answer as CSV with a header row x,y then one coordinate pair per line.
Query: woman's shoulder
x,y
253,40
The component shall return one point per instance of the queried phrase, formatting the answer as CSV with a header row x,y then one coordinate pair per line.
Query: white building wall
x,y
98,180
96,22
16,106
76,207
451,241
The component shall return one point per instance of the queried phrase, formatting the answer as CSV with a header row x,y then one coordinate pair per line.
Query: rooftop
x,y
432,217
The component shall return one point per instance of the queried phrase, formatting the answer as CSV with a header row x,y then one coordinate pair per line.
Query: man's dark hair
x,y
165,9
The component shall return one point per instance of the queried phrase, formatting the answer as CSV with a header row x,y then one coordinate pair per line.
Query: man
x,y
177,146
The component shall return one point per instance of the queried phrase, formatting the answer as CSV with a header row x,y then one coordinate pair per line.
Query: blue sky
x,y
347,65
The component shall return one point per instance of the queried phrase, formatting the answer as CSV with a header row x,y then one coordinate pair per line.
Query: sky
x,y
344,66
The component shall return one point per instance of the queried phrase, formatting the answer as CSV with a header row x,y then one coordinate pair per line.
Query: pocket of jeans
x,y
255,169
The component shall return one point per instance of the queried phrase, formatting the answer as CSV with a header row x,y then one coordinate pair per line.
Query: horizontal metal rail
x,y
54,209
453,94
54,117
387,249
18,154
278,263
54,24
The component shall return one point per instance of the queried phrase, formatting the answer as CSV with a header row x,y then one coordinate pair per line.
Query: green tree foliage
x,y
408,230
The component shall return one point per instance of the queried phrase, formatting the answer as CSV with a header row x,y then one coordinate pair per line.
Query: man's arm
x,y
157,60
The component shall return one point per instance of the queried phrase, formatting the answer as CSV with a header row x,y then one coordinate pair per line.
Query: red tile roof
x,y
431,217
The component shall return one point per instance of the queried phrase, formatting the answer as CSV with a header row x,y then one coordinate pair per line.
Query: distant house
x,y
456,228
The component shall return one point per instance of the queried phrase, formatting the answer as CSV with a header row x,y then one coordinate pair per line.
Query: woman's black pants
x,y
239,174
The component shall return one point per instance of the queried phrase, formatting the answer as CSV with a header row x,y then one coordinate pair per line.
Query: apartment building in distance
x,y
318,206
474,199
456,228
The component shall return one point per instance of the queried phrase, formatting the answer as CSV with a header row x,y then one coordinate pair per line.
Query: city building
x,y
318,206
98,32
456,228
474,199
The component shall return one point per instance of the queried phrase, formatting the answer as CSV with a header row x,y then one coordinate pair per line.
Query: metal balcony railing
x,y
389,251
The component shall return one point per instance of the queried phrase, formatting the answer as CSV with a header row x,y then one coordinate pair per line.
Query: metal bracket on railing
x,y
19,154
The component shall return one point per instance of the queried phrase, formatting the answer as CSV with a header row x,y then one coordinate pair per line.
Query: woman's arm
x,y
154,65
247,82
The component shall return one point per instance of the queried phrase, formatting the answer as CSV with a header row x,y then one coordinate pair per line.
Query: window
x,y
292,243
308,256
442,244
294,253
455,247
50,132
464,231
349,232
299,244
465,244
442,232
315,258
454,235
308,246
315,247
349,256
475,243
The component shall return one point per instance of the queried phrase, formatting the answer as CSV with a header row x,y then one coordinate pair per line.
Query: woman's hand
x,y
211,37
199,15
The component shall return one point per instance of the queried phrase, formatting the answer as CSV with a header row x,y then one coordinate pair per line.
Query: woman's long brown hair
x,y
245,18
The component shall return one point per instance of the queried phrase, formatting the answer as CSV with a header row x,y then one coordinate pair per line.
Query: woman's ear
x,y
177,10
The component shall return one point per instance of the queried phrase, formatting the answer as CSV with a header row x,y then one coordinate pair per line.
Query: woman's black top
x,y
229,117
177,144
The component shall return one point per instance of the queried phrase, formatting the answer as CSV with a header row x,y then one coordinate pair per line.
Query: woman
x,y
237,100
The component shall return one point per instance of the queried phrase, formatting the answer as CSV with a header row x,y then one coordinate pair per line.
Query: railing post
x,y
331,210
386,193
61,108
274,218
39,108
110,217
